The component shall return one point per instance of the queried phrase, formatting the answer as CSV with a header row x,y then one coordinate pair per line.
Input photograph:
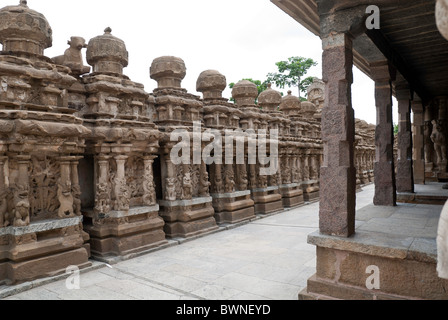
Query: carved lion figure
x,y
187,187
170,191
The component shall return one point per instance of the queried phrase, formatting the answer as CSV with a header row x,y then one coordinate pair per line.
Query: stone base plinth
x,y
311,190
122,233
369,266
42,249
292,195
188,218
267,200
233,207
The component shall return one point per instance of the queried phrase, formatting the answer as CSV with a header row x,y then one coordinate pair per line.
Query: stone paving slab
x,y
267,258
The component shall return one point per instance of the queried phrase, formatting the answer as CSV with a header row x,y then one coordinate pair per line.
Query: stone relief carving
x,y
187,187
4,214
65,198
44,176
205,184
170,189
229,179
76,194
21,211
243,181
102,201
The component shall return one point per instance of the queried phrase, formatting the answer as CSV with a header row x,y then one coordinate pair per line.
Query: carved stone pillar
x,y
229,178
65,189
405,173
149,190
242,176
4,219
385,188
338,173
102,199
170,180
76,188
121,189
218,180
418,139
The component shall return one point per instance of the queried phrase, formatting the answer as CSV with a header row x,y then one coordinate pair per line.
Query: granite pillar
x,y
385,187
405,173
338,172
418,141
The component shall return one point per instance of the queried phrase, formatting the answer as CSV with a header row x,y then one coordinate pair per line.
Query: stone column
x,y
76,188
149,191
218,180
385,188
306,166
122,196
300,167
418,141
338,173
405,173
102,197
21,196
65,196
170,179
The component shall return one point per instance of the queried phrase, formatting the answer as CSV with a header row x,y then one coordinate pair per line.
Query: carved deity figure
x,y
170,190
243,180
187,187
102,202
204,190
76,192
439,140
219,185
149,198
429,145
122,200
263,181
65,198
229,181
21,212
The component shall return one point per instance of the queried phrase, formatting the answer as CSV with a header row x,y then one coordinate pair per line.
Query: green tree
x,y
291,73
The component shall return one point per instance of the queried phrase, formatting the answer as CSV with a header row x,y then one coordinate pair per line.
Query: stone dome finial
x,y
107,53
290,105
168,71
23,30
270,99
308,109
245,93
211,83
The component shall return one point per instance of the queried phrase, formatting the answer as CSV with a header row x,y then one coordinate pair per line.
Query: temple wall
x,y
86,154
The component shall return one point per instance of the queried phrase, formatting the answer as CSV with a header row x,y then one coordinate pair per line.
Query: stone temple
x,y
93,167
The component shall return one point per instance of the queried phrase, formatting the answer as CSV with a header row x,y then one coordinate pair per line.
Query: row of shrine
x,y
86,168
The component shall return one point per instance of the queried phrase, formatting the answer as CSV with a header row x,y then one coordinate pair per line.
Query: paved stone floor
x,y
267,259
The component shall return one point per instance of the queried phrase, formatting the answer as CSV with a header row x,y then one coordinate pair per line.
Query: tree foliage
x,y
291,72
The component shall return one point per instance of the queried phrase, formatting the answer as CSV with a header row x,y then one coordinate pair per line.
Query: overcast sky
x,y
239,38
